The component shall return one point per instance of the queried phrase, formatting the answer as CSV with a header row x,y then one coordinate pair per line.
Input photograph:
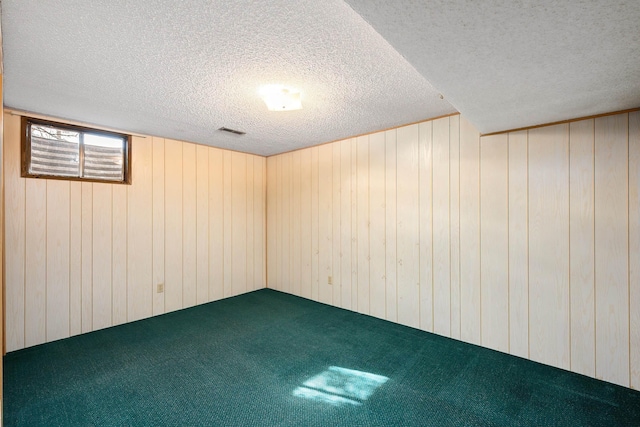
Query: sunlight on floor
x,y
338,386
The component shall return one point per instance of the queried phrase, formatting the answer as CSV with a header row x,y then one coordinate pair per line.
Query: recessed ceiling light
x,y
281,98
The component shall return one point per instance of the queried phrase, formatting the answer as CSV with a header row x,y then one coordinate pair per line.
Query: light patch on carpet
x,y
338,386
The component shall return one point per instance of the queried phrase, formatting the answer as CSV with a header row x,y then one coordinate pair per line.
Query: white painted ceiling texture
x,y
183,69
507,64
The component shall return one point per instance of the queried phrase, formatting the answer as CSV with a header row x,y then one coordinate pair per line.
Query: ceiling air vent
x,y
233,131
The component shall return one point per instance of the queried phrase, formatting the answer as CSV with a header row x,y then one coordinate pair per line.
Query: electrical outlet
x,y
330,280
160,288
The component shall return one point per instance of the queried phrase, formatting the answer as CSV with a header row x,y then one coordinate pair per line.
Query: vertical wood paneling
x,y
345,223
441,228
518,246
315,244
173,231
14,235
470,319
227,203
425,189
611,249
305,224
454,215
279,232
35,262
354,224
75,258
408,229
259,194
249,257
189,224
325,222
285,215
581,243
238,223
202,224
634,248
391,266
119,255
335,225
57,250
158,170
296,235
362,200
102,255
494,242
377,285
549,245
141,230
272,258
216,224
87,256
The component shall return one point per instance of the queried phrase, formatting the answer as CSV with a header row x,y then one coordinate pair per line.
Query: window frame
x,y
26,150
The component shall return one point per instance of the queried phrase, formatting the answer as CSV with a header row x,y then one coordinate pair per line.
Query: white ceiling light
x,y
281,98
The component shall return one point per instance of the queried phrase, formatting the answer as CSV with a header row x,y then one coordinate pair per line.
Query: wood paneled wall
x,y
526,242
86,256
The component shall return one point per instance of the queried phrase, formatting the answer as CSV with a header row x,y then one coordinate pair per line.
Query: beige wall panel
x,y
87,256
325,222
119,265
305,223
441,228
470,320
227,204
14,235
259,207
102,256
361,305
158,226
216,223
202,224
494,242
173,231
295,223
391,264
454,211
250,214
285,215
518,246
549,245
278,234
426,224
581,243
239,223
35,262
408,228
335,226
345,224
377,232
189,224
315,244
611,249
75,258
140,235
354,224
57,249
272,256
634,248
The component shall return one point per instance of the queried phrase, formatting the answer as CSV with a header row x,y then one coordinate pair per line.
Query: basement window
x,y
62,151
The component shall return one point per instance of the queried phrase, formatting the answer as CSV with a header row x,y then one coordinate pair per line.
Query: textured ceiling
x,y
506,64
182,69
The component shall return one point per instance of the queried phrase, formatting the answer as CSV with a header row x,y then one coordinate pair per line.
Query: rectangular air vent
x,y
233,131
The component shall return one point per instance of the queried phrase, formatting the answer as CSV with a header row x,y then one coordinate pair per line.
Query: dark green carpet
x,y
241,361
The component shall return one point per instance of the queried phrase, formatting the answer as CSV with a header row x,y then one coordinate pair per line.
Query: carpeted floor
x,y
271,359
